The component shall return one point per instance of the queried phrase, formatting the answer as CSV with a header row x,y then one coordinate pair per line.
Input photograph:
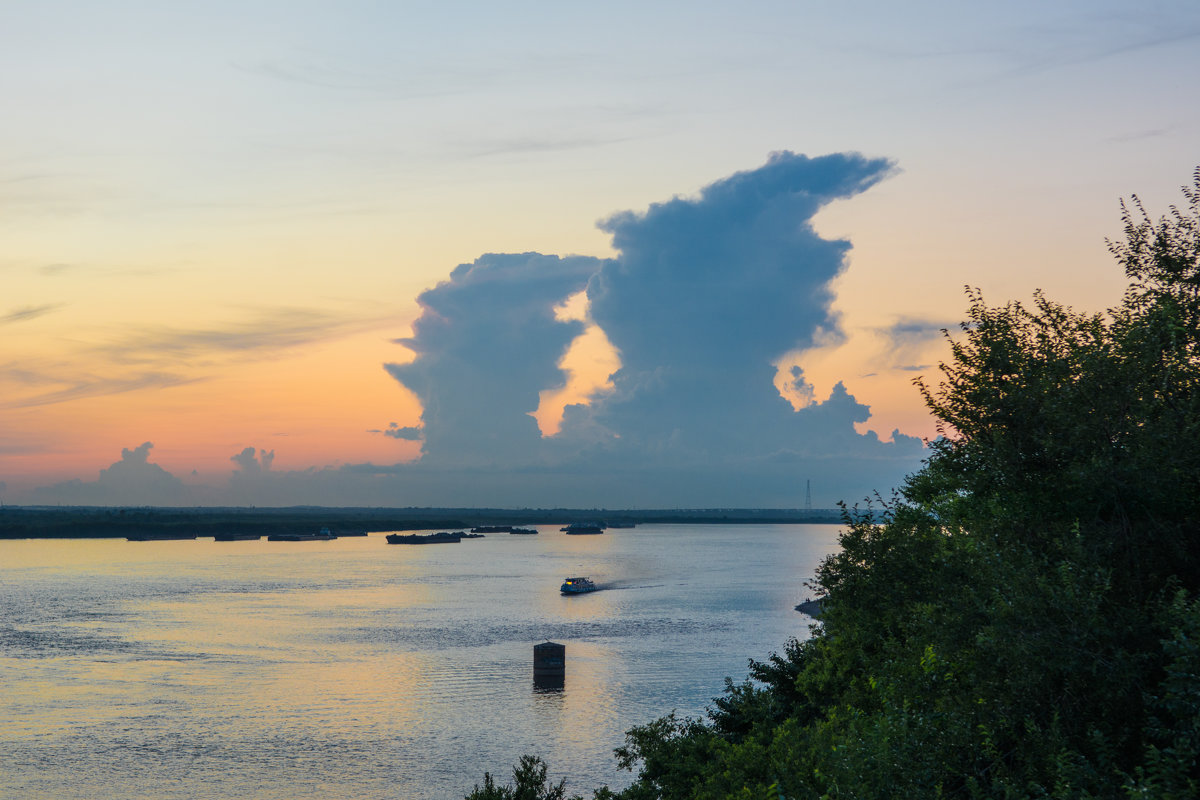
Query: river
x,y
356,669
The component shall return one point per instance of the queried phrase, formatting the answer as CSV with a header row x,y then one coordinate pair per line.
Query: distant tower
x,y
808,497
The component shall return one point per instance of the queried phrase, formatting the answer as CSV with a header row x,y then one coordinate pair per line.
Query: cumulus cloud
x,y
702,283
253,462
408,433
487,342
709,292
132,481
704,297
253,482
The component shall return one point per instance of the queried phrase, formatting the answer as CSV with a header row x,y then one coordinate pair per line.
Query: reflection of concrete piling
x,y
549,665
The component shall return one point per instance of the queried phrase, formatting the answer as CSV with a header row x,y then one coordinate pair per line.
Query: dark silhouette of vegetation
x,y
95,522
529,783
1023,619
98,522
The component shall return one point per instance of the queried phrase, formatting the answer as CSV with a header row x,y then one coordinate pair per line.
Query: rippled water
x,y
355,669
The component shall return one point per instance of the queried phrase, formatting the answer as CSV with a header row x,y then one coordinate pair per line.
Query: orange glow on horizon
x,y
304,404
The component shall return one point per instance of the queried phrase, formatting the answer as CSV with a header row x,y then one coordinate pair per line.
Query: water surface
x,y
355,669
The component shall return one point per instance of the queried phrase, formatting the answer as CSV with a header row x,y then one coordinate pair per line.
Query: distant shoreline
x,y
102,522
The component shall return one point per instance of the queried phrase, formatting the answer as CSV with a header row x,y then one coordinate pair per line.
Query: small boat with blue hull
x,y
578,585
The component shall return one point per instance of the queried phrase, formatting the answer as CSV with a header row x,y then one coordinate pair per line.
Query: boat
x,y
583,527
523,530
159,537
324,536
492,529
425,538
236,537
578,585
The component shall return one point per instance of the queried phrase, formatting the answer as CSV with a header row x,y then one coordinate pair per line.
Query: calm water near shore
x,y
355,669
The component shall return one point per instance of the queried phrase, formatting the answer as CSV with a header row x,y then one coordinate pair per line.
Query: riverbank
x,y
73,522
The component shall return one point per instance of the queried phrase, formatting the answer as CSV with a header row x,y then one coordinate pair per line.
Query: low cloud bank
x,y
132,481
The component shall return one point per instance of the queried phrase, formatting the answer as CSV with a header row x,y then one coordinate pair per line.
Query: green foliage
x,y
529,783
1023,619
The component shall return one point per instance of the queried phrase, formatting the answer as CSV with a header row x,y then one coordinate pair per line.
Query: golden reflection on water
x,y
356,669
66,553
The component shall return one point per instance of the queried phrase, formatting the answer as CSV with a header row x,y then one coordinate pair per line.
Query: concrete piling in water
x,y
549,665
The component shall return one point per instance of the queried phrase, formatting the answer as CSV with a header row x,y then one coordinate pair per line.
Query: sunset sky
x,y
240,225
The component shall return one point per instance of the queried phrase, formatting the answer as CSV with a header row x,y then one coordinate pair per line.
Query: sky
x,y
543,254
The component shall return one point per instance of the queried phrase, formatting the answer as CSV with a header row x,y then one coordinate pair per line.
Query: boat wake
x,y
625,585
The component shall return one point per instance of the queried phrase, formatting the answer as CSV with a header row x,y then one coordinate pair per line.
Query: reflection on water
x,y
354,669
549,684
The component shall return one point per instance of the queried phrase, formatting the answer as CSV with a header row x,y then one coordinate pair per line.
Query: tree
x,y
529,783
1023,618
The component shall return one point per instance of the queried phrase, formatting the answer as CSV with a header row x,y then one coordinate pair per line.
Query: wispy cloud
x,y
51,194
910,329
7,180
991,50
56,269
28,313
159,357
269,331
518,146
908,340
405,79
330,74
1139,136
1081,40
1117,41
78,388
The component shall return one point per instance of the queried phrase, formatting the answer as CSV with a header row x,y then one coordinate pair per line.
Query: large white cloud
x,y
488,341
703,297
